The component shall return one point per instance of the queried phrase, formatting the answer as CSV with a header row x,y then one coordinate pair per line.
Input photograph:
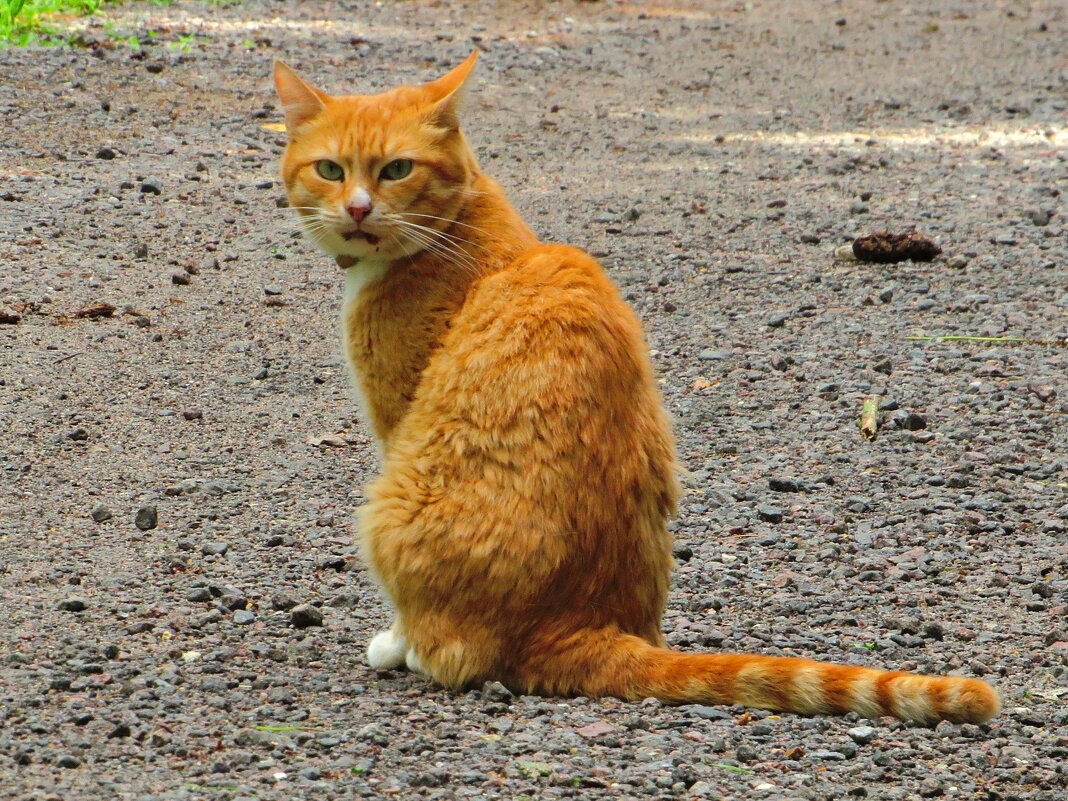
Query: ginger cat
x,y
518,527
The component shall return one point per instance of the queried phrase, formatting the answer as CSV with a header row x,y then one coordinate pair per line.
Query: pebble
x,y
151,186
777,321
146,518
282,601
496,692
746,753
778,484
909,421
931,787
243,617
770,514
193,414
306,615
709,355
78,435
105,153
68,761
180,278
231,598
272,289
861,735
121,730
706,712
101,513
214,548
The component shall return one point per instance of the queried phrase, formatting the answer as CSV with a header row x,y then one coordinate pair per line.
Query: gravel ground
x,y
178,479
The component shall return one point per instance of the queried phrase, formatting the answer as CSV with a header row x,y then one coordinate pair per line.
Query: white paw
x,y
386,651
414,664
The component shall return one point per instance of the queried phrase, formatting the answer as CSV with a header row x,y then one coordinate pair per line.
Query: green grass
x,y
27,22
23,22
277,729
732,768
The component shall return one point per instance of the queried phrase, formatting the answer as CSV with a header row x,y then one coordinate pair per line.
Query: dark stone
x,y
306,615
73,604
684,553
706,712
770,514
151,186
778,484
146,518
496,692
282,601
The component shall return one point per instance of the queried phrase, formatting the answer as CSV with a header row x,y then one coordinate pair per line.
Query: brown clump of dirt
x,y
886,248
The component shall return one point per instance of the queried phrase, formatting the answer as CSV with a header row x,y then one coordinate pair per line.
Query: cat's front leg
x,y
387,649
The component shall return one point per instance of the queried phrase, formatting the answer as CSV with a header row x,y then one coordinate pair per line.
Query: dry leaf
x,y
95,310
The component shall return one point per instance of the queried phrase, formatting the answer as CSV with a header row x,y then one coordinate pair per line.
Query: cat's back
x,y
545,349
549,290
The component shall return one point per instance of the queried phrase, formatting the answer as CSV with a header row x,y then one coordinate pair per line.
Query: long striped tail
x,y
608,663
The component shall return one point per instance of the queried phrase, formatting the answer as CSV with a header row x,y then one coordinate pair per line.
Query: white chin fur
x,y
386,651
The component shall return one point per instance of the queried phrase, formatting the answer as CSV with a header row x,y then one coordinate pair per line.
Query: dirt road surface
x,y
713,156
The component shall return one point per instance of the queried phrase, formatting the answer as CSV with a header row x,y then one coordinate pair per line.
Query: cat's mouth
x,y
366,236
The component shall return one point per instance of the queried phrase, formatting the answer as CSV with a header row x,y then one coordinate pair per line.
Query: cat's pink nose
x,y
359,210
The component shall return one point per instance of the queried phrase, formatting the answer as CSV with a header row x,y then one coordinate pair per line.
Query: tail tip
x,y
977,702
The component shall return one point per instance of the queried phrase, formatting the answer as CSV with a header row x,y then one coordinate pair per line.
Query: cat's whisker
x,y
476,228
456,253
452,238
443,252
436,248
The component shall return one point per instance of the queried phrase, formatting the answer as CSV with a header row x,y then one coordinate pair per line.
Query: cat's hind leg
x,y
387,649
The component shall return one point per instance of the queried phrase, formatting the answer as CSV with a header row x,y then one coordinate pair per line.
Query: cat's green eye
x,y
329,170
396,169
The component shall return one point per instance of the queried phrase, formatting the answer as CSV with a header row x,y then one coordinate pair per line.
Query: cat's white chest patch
x,y
356,278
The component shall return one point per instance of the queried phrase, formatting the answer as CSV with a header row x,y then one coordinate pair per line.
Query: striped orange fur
x,y
518,527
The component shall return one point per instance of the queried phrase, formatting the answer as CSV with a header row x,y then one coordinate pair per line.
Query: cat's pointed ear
x,y
300,100
447,92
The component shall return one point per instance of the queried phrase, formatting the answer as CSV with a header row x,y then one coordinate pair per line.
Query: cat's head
x,y
370,173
